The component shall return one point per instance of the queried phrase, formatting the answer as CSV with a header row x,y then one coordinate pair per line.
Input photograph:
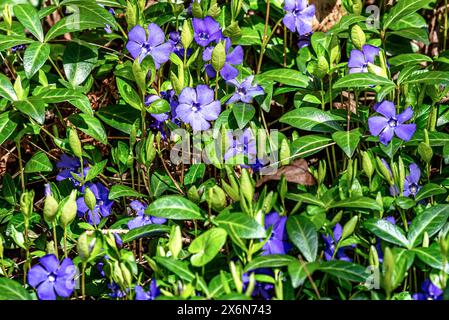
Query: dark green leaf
x,y
430,221
174,207
344,270
303,234
78,61
241,224
119,191
29,18
12,290
312,119
387,231
149,230
269,261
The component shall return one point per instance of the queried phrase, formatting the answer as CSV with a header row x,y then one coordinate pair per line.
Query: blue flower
x,y
242,148
277,244
150,295
117,292
359,59
70,165
206,30
330,244
175,39
142,219
299,16
234,57
262,290
52,279
102,207
429,292
245,91
411,183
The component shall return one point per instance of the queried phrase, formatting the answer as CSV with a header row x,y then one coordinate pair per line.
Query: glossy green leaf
x,y
32,107
312,119
179,268
299,272
285,76
347,140
387,231
29,18
243,113
34,57
7,126
429,190
175,208
205,247
344,270
430,221
6,89
150,230
361,80
269,261
12,290
241,224
39,162
119,191
90,126
79,60
303,234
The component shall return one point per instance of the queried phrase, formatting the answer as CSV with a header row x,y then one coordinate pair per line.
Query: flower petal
x,y
211,111
356,59
205,94
50,263
405,131
370,52
229,72
386,135
377,124
289,21
236,56
46,291
415,173
187,96
37,275
161,54
386,108
406,115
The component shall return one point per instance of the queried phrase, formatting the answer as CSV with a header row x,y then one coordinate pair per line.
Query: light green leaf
x,y
175,208
241,224
312,119
34,57
205,247
29,18
38,163
119,191
347,140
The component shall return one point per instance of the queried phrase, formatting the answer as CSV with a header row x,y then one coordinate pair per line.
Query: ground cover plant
x,y
238,149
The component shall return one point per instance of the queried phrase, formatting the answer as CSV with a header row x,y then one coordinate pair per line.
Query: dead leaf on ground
x,y
297,172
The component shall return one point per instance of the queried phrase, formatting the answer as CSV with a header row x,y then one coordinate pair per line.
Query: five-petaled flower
x,y
150,295
102,207
139,46
429,292
197,107
142,219
390,123
206,30
52,279
411,183
245,91
234,57
242,146
299,16
359,59
70,165
278,242
330,243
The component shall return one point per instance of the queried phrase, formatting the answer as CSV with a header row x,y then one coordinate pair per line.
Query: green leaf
x,y
90,126
347,140
402,9
243,113
9,189
34,57
119,191
307,145
361,80
312,119
417,34
195,173
29,18
269,261
408,58
432,257
95,170
175,208
12,290
205,247
429,190
298,272
128,94
79,60
76,98
120,117
357,202
387,231
285,76
7,126
6,89
38,163
240,224
85,16
159,106
32,107
149,230
344,270
430,221
179,268
429,78
303,234
12,40
403,260
307,198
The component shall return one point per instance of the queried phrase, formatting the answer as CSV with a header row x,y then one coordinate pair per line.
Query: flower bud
x,y
349,227
89,198
425,242
425,152
219,56
127,276
236,276
373,257
217,198
197,12
186,34
75,143
117,275
50,206
68,210
26,203
357,7
175,242
401,173
85,245
150,150
193,194
358,37
383,170
367,164
247,186
284,152
7,16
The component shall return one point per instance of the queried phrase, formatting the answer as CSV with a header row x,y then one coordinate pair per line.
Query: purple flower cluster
x,y
147,295
429,292
102,208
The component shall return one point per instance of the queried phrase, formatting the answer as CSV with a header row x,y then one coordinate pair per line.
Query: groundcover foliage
x,y
236,149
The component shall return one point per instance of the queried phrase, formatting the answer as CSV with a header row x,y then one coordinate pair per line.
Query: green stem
x,y
56,67
55,240
27,246
65,242
83,281
22,176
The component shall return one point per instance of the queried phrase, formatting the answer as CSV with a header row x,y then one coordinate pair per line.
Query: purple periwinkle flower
x,y
245,91
70,165
150,295
330,244
299,16
197,107
429,292
102,207
175,39
206,31
52,279
359,59
411,183
390,123
142,219
241,145
234,57
262,290
116,291
278,242
139,45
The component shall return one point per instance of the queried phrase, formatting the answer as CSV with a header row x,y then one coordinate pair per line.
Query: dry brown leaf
x,y
297,172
